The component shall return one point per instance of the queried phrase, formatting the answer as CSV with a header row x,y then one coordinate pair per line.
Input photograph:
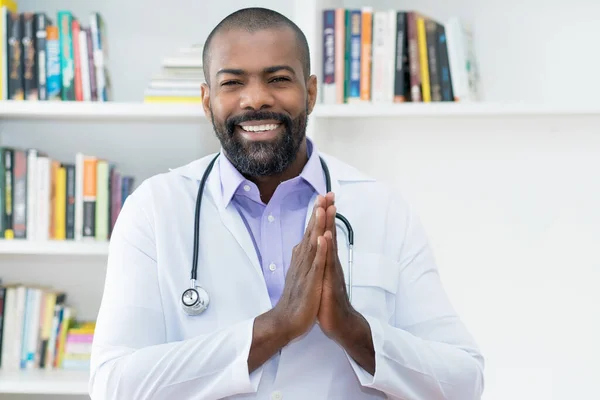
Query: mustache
x,y
257,116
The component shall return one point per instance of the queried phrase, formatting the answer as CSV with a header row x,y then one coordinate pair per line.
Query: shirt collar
x,y
312,173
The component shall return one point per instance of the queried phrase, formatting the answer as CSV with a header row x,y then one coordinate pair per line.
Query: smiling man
x,y
275,308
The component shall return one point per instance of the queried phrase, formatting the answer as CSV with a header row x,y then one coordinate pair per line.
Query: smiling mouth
x,y
259,128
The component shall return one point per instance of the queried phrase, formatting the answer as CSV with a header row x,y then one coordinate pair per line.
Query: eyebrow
x,y
268,70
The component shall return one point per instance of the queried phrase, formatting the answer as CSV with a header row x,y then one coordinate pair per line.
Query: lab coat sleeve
x,y
131,357
425,352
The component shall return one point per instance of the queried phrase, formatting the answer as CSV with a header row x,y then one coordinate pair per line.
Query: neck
x,y
268,184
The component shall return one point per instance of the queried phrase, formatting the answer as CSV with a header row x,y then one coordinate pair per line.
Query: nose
x,y
256,95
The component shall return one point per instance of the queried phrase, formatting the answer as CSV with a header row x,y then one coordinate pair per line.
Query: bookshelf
x,y
505,187
53,382
191,113
52,248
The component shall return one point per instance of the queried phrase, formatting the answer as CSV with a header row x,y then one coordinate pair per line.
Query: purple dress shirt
x,y
275,227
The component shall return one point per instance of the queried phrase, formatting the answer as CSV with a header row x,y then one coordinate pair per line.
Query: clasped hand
x,y
315,290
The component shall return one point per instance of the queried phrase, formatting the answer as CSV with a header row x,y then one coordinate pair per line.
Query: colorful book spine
x,y
53,65
365,53
353,64
65,22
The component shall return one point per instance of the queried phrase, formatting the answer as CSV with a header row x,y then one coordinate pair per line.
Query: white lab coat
x,y
145,347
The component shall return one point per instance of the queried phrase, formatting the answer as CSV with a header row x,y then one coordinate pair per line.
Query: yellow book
x,y
5,5
423,59
60,205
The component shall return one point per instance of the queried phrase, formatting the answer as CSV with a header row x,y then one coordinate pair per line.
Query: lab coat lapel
x,y
232,220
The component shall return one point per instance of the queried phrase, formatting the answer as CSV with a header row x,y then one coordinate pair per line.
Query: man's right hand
x,y
299,303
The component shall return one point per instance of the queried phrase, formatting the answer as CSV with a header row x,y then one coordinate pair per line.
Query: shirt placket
x,y
272,250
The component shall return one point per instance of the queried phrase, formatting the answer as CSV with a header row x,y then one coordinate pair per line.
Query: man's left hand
x,y
336,316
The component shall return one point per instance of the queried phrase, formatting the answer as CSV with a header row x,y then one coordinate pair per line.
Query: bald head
x,y
252,20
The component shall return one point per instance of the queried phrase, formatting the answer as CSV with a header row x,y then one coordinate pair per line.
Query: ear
x,y
312,89
205,92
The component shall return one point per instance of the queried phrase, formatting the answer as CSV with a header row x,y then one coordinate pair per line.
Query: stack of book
x,y
38,330
42,58
179,79
44,199
396,56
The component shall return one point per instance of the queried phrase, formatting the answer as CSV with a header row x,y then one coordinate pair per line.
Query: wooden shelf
x,y
30,247
149,112
37,381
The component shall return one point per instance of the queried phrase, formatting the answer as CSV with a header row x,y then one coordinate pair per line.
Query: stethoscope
x,y
195,299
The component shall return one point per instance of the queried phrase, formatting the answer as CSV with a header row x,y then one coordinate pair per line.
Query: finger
x,y
309,227
318,264
330,225
330,263
319,226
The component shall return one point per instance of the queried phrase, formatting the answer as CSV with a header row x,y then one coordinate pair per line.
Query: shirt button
x,y
272,267
271,218
247,188
277,395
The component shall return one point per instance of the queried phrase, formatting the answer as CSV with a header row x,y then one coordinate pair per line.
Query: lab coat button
x,y
276,395
272,267
271,218
247,188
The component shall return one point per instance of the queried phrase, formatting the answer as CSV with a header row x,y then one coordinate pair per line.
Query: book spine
x,y
340,56
2,192
446,77
2,317
89,197
423,60
115,194
378,57
365,53
328,86
91,65
20,195
60,204
84,65
413,57
79,170
433,58
41,23
390,55
70,202
8,199
96,28
43,206
32,195
355,56
15,57
102,199
53,73
402,73
75,29
65,32
28,42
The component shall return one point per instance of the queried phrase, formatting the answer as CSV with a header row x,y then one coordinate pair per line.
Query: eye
x,y
229,83
280,79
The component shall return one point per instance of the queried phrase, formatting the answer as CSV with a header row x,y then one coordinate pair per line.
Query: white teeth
x,y
259,128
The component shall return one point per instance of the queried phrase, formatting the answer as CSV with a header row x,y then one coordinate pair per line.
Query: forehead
x,y
254,51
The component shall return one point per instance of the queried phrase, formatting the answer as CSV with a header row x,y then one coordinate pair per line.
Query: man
x,y
280,323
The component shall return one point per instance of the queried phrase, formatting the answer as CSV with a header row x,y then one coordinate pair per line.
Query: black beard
x,y
262,158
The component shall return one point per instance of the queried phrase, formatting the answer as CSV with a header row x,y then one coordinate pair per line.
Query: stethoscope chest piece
x,y
195,300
